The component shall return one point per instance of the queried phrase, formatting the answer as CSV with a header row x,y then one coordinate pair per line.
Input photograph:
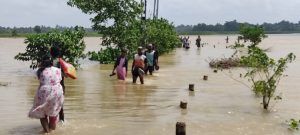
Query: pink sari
x,y
121,70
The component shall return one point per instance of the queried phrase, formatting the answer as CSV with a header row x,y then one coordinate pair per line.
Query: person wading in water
x,y
56,54
138,65
121,65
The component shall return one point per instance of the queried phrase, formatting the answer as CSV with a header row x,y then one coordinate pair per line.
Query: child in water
x,y
49,97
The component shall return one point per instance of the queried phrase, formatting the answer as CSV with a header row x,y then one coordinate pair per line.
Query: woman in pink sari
x,y
121,65
49,97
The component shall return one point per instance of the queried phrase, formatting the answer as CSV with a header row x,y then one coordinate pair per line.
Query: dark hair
x,y
46,62
55,52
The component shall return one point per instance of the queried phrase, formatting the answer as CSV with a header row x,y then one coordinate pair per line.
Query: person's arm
x,y
115,66
126,65
145,62
132,64
156,58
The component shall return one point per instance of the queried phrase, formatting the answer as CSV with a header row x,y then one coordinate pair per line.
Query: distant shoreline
x,y
23,35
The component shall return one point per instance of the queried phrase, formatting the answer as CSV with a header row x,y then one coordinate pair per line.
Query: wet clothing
x,y
139,65
198,42
56,63
49,97
151,61
121,66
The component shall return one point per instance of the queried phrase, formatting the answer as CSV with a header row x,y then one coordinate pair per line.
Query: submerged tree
x,y
120,24
38,45
265,73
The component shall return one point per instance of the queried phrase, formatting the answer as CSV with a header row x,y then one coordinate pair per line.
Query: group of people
x,y
49,98
186,42
144,61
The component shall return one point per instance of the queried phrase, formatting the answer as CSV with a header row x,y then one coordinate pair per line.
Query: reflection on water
x,y
96,103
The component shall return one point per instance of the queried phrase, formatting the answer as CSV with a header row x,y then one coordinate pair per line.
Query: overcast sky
x,y
57,12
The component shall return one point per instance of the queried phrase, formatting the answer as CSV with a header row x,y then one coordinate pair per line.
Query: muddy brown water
x,y
98,104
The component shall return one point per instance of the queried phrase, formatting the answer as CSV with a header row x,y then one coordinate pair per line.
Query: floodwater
x,y
98,104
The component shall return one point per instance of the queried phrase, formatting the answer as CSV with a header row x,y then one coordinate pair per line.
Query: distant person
x,y
198,41
187,43
227,39
138,65
49,97
121,65
150,55
56,54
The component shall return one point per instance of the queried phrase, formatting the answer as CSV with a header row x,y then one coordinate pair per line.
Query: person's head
x,y
140,50
198,36
55,52
46,62
123,52
150,47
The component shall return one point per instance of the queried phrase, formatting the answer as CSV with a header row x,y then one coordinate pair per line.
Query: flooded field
x,y
98,104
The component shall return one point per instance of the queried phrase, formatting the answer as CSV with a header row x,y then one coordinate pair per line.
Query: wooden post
x,y
183,104
180,128
205,77
241,75
191,87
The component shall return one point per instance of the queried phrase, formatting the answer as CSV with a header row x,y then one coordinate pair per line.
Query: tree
x,y
14,33
119,23
263,72
37,29
253,34
111,17
38,45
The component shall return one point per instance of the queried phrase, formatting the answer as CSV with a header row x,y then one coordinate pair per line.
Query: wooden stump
x,y
205,77
180,128
183,104
191,87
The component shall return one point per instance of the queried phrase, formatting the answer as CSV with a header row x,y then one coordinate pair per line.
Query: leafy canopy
x,y
38,45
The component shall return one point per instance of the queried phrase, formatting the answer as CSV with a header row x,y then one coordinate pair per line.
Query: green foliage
x,y
254,34
125,30
265,72
293,124
38,45
14,33
233,28
161,33
106,56
37,29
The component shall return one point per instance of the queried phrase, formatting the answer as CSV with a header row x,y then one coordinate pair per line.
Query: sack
x,y
68,69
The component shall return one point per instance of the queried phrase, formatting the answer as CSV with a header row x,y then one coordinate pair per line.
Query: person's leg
x,y
45,124
62,114
134,78
141,79
146,70
52,122
151,69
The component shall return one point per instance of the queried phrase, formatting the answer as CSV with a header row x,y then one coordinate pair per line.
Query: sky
x,y
24,13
